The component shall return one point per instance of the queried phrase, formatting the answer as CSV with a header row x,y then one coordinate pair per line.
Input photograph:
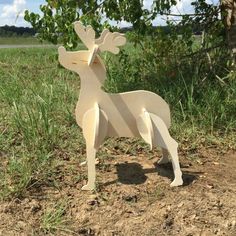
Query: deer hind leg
x,y
154,131
94,130
173,150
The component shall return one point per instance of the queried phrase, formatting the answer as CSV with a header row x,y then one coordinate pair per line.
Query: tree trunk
x,y
228,10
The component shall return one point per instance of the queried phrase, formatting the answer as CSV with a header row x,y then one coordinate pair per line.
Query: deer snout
x,y
71,60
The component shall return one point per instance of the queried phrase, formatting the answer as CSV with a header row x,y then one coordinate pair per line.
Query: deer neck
x,y
91,83
90,86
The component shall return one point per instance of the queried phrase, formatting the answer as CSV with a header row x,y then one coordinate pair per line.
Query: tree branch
x,y
205,50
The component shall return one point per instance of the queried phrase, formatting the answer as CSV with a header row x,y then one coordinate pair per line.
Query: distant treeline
x,y
11,31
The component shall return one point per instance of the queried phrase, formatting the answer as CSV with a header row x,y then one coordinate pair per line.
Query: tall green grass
x,y
37,101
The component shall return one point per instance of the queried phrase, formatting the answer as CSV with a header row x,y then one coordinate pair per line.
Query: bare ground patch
x,y
133,197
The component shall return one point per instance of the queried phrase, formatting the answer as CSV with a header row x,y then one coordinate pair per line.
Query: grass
x,y
38,128
53,218
19,41
35,97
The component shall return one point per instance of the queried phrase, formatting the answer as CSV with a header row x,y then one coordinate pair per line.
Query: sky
x,y
12,11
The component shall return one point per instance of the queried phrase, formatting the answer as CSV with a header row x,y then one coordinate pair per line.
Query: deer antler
x,y
101,38
111,41
107,42
86,34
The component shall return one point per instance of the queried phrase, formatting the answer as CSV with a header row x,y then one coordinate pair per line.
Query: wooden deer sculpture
x,y
100,114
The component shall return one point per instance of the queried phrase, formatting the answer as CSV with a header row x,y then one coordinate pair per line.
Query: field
x,y
19,41
41,148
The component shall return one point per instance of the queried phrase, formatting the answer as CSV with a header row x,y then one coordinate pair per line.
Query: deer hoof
x,y
177,182
88,187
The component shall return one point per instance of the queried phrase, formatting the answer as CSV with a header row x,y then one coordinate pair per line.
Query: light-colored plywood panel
x,y
100,114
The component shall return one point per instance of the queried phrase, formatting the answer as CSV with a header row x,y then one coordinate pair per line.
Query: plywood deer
x,y
100,114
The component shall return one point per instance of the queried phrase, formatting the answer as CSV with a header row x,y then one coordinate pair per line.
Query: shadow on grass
x,y
166,170
133,173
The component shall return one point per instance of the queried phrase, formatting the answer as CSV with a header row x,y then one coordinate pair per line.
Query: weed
x,y
53,218
156,195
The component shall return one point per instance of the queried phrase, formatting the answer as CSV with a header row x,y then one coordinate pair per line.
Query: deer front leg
x,y
94,126
91,153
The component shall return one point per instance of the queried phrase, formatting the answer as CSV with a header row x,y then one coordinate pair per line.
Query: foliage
x,y
192,79
56,23
58,16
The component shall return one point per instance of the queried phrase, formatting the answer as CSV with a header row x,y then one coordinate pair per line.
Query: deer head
x,y
80,59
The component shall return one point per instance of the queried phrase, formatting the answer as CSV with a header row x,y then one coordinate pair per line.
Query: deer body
x,y
100,114
121,112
